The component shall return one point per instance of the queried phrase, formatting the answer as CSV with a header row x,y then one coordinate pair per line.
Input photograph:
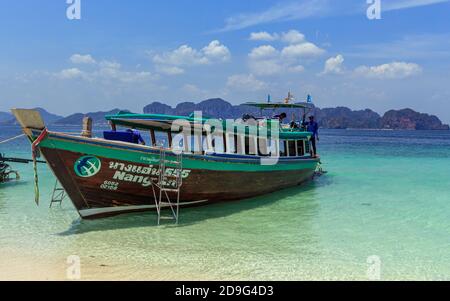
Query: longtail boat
x,y
202,161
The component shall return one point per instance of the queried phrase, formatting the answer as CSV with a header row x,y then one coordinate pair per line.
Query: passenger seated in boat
x,y
294,125
247,117
280,117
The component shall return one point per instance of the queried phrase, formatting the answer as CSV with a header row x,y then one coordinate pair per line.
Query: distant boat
x,y
114,175
7,174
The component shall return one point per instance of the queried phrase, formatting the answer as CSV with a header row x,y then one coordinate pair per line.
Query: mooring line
x,y
11,139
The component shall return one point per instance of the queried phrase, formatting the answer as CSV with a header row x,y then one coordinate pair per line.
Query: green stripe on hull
x,y
188,162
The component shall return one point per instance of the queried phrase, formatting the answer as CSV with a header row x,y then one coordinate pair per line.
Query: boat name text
x,y
143,175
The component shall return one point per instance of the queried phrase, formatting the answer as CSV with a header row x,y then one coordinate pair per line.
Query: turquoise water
x,y
385,194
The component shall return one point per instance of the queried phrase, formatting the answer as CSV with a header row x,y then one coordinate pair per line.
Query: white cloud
x,y
113,71
183,56
263,52
215,51
334,65
106,71
296,69
110,65
133,77
405,4
70,73
298,10
195,91
263,36
266,60
191,88
82,59
280,12
266,67
123,76
293,37
273,66
394,70
170,70
304,50
188,56
245,82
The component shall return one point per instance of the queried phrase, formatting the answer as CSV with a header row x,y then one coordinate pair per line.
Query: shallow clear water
x,y
386,193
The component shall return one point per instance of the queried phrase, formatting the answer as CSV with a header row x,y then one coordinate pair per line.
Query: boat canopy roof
x,y
276,105
162,122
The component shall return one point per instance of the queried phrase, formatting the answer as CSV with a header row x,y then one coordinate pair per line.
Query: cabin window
x,y
247,145
263,147
170,139
274,147
254,145
200,144
301,147
219,145
196,144
240,144
214,143
153,137
231,146
160,139
180,143
283,148
292,151
307,147
250,145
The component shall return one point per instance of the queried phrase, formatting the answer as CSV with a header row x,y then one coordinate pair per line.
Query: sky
x,y
126,54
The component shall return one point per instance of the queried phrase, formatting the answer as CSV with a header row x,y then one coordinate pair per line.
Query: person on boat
x,y
313,127
280,117
137,136
248,117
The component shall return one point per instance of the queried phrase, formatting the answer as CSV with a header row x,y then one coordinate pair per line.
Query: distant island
x,y
329,118
8,119
98,118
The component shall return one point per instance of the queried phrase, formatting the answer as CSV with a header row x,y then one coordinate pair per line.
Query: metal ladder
x,y
58,194
169,184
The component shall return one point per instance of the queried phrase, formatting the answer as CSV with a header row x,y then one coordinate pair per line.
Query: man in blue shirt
x,y
313,127
136,136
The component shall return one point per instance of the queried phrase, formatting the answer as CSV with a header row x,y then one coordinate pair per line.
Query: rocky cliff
x,y
411,120
215,107
331,118
344,118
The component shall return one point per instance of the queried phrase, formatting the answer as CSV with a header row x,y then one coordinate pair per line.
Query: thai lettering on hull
x,y
89,166
143,175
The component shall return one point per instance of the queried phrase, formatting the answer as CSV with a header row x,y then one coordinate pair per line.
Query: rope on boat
x,y
319,170
11,139
34,150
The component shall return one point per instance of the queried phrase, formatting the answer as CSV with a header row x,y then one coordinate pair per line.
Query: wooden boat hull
x,y
121,178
